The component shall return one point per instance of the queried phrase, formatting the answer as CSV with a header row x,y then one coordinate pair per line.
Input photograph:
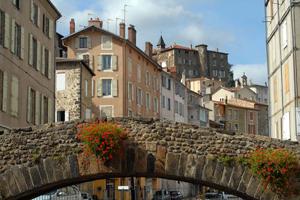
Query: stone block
x,y
4,187
235,179
227,171
190,170
35,176
245,180
43,174
141,162
73,162
20,180
218,173
182,164
49,165
151,146
253,185
172,162
200,163
208,169
151,163
26,175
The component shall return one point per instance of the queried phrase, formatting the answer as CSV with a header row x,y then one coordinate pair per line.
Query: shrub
x,y
103,139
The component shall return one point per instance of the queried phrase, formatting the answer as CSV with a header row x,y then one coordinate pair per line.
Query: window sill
x,y
107,97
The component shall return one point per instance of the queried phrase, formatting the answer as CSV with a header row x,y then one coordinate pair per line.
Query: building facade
x,y
27,72
193,62
127,81
283,44
73,90
167,97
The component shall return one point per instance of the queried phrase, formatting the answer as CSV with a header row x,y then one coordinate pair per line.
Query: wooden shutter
x,y
29,105
42,109
14,96
99,87
38,55
12,38
93,88
37,108
91,62
22,42
100,63
32,11
5,91
51,28
50,110
50,65
77,43
7,31
114,60
30,49
114,88
43,60
89,42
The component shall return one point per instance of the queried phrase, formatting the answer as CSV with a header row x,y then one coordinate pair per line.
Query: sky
x,y
233,26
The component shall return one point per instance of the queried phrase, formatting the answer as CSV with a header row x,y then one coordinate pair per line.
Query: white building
x,y
167,97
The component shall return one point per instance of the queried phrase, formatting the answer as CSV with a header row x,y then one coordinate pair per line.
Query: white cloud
x,y
257,73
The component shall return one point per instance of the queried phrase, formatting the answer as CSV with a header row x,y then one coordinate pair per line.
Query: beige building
x,y
203,85
73,90
27,86
127,81
283,46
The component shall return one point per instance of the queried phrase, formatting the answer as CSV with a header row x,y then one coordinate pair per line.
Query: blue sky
x,y
233,26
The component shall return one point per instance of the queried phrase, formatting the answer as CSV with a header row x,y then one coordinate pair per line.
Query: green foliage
x,y
226,160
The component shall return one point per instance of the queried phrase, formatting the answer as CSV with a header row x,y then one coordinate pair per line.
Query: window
x,y
34,13
88,113
34,53
229,114
251,116
163,101
46,61
106,111
17,3
83,42
14,96
169,104
1,88
93,88
235,115
139,96
176,107
17,40
147,78
181,109
86,87
236,127
169,84
164,64
61,117
147,101
45,102
139,73
46,25
106,42
106,59
251,129
2,27
284,35
155,105
222,74
130,95
106,87
60,81
215,73
32,105
203,117
163,81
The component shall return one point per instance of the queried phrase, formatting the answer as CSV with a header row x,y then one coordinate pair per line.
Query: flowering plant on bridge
x,y
103,139
276,168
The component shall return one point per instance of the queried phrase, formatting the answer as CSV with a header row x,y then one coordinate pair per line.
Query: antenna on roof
x,y
117,18
124,12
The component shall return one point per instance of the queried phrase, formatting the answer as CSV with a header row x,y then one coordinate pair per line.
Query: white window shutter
x,y
89,43
37,108
32,11
93,87
50,110
100,63
5,91
22,42
67,116
77,43
51,28
14,96
38,17
38,55
114,88
29,105
12,38
30,49
7,31
114,60
141,97
51,67
91,62
42,109
43,60
99,87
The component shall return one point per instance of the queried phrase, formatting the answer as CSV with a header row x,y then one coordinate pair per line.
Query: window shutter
x,y
14,2
12,43
77,43
67,116
22,42
37,108
43,60
114,88
99,87
38,55
7,31
38,17
91,62
93,87
100,63
30,49
29,105
51,28
50,110
114,60
42,108
89,43
32,11
141,97
5,91
14,96
50,65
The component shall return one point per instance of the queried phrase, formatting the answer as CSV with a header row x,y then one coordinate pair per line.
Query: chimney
x,y
148,49
122,30
95,22
132,34
72,26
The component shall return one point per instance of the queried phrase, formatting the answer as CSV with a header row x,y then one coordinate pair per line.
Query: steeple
x,y
161,43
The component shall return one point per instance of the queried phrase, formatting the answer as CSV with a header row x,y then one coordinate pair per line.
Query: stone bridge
x,y
36,160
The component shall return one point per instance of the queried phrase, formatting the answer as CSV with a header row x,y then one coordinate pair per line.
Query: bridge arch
x,y
52,158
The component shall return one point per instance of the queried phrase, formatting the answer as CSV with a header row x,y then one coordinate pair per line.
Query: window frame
x,y
107,86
